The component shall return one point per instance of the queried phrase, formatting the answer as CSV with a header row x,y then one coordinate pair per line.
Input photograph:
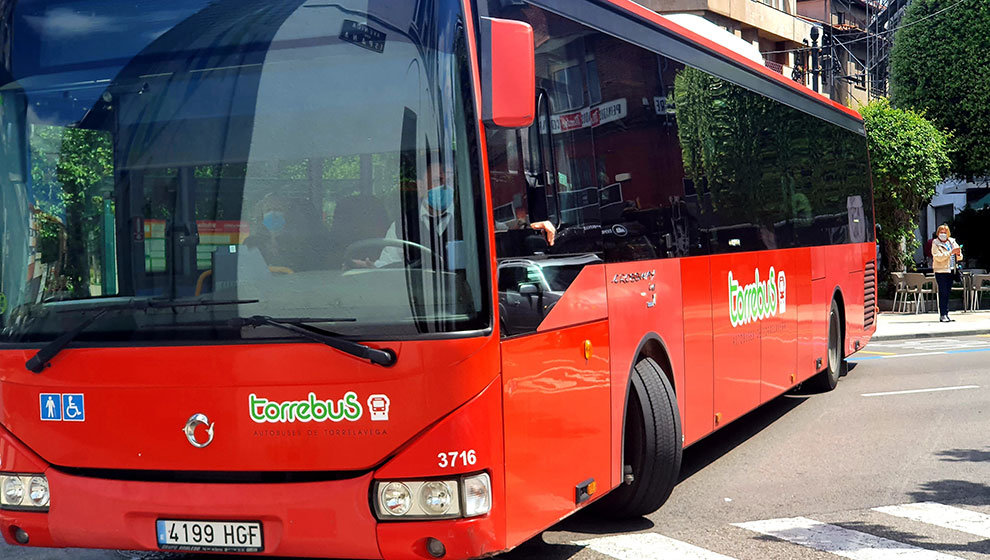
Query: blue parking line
x,y
960,351
967,350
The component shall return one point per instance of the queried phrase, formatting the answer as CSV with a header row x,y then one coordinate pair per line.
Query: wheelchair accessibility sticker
x,y
67,407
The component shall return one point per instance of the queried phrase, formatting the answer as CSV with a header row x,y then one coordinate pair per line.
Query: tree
x,y
909,157
939,66
72,169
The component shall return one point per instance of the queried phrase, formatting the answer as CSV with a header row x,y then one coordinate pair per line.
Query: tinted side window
x,y
684,163
735,152
546,177
565,67
648,209
772,177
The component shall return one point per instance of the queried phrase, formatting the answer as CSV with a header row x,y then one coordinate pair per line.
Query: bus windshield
x,y
310,159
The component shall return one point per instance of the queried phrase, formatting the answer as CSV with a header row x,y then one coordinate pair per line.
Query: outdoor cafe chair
x,y
980,285
900,291
919,286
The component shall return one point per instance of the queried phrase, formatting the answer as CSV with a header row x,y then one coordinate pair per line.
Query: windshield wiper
x,y
302,327
41,359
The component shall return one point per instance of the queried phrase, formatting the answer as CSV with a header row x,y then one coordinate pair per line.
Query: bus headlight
x,y
435,497
24,491
395,498
13,491
467,496
477,495
38,491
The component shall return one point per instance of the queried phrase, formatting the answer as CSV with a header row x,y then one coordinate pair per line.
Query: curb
x,y
928,334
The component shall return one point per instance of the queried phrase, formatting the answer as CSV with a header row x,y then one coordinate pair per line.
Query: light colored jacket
x,y
942,260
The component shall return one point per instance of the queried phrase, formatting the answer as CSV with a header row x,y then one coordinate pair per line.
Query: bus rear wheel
x,y
828,379
652,445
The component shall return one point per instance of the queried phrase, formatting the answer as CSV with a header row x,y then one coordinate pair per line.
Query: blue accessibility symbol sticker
x,y
73,407
51,406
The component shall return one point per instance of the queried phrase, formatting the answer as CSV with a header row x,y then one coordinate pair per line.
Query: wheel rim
x,y
833,342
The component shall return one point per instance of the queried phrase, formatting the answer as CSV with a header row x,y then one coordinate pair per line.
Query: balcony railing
x,y
775,66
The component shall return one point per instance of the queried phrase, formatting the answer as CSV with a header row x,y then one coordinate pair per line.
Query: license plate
x,y
215,536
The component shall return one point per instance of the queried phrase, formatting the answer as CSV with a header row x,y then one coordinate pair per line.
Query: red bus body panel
x,y
144,396
556,423
329,518
699,350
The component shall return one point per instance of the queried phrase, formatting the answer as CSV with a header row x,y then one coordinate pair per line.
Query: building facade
x,y
772,26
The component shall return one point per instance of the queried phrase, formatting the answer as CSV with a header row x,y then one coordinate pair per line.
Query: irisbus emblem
x,y
195,421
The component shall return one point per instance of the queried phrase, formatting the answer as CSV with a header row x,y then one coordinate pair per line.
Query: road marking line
x,y
649,546
897,356
967,350
960,351
949,517
912,391
879,353
837,540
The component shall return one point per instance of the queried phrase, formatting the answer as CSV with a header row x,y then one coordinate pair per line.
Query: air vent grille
x,y
869,294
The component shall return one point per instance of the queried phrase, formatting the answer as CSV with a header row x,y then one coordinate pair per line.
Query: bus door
x,y
552,320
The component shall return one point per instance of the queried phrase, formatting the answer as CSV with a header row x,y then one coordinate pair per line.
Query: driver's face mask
x,y
440,199
274,221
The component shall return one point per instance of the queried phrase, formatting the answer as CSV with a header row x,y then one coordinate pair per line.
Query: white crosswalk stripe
x,y
949,517
840,541
808,533
649,546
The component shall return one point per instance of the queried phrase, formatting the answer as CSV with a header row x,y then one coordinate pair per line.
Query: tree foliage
x,y
71,170
909,157
940,65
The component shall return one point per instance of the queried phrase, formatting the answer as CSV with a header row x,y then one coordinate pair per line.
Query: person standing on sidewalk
x,y
945,254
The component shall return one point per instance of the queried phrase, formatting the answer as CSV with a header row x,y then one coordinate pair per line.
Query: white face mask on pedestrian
x,y
943,237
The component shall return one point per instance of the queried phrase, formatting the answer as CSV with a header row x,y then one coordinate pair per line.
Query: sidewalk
x,y
894,326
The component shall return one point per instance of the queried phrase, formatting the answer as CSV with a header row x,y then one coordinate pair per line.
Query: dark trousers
x,y
944,280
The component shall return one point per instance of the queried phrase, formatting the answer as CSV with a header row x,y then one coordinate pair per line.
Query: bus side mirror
x,y
508,73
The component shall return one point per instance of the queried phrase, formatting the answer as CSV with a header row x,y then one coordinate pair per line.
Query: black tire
x,y
652,445
835,358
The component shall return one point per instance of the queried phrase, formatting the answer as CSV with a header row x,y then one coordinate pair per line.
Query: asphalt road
x,y
894,463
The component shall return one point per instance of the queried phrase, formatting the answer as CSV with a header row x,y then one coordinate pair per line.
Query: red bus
x,y
396,279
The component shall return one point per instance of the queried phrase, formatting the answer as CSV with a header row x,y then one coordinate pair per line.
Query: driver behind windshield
x,y
435,207
436,203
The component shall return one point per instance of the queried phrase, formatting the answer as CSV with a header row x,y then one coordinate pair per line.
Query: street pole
x,y
814,58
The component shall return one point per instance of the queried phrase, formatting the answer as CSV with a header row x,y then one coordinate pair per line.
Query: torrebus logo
x,y
315,410
759,300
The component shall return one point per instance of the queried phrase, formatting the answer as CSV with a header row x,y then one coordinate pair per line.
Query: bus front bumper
x,y
314,519
321,519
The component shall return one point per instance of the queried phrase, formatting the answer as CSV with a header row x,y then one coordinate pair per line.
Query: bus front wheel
x,y
652,445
